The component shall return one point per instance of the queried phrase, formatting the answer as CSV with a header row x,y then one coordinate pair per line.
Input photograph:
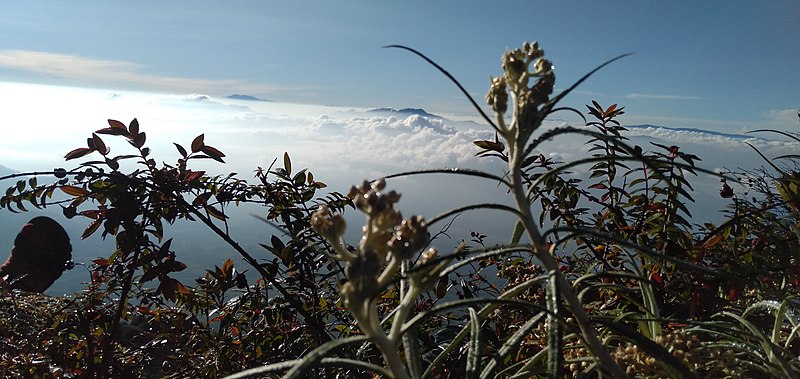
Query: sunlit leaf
x,y
216,213
91,228
101,262
490,145
713,241
74,191
227,268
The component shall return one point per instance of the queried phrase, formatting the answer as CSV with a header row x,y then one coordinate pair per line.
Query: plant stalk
x,y
548,261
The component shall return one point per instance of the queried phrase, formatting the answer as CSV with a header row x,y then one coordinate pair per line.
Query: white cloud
x,y
637,96
90,71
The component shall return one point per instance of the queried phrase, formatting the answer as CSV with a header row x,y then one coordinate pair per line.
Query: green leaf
x,y
555,356
519,228
216,213
474,349
512,344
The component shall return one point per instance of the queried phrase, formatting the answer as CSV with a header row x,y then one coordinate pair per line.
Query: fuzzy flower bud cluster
x,y
387,241
519,66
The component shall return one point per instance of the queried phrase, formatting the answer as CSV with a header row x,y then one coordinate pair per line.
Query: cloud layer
x,y
90,71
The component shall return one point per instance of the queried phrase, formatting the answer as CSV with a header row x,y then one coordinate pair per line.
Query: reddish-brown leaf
x,y
112,131
227,268
213,153
139,140
74,191
198,143
181,150
101,262
214,212
134,127
98,144
202,199
77,153
490,145
191,176
116,124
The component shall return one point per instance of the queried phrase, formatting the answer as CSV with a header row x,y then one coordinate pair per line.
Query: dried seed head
x,y
411,236
497,97
330,226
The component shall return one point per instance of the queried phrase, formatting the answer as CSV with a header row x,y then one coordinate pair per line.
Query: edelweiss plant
x,y
388,249
388,245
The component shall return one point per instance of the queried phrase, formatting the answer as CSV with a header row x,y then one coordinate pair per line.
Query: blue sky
x,y
717,65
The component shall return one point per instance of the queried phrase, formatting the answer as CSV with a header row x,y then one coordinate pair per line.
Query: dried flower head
x,y
411,236
330,226
370,199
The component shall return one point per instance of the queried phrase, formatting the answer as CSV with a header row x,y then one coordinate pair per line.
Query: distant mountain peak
x,y
405,111
694,130
244,97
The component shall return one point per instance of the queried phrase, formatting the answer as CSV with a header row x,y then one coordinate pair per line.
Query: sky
x,y
716,65
65,68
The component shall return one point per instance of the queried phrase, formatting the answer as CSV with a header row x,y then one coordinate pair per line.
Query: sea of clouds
x,y
342,146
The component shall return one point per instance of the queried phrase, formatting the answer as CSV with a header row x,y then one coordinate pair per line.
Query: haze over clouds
x,y
725,68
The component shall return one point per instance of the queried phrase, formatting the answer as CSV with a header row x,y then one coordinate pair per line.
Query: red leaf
x,y
112,131
102,262
490,145
198,143
213,153
227,268
191,176
98,144
201,200
74,191
134,127
181,150
93,213
77,153
138,141
657,278
116,124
